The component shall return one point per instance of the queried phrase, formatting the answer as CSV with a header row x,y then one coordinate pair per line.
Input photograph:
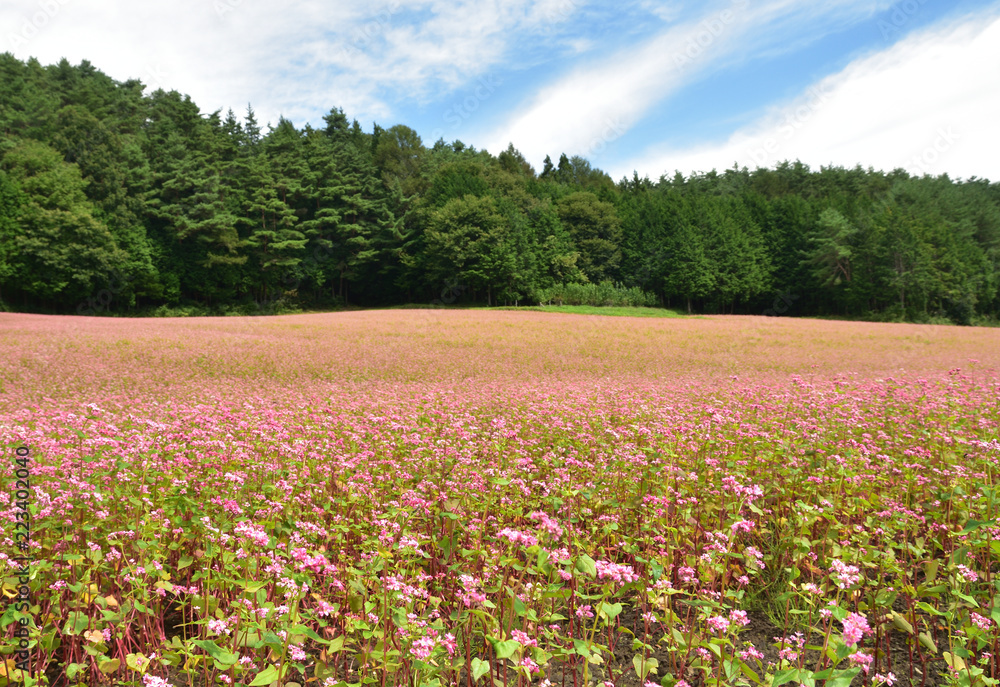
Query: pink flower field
x,y
445,497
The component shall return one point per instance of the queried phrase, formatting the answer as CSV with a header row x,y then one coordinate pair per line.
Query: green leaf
x,y
134,661
519,607
927,641
506,649
540,656
973,525
479,668
931,571
265,677
273,640
586,565
308,632
611,611
843,678
966,598
76,623
953,661
901,623
109,666
885,598
249,639
73,668
218,653
784,676
643,667
927,608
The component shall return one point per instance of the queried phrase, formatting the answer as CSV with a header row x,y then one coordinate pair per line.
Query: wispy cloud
x,y
576,76
297,60
574,114
928,104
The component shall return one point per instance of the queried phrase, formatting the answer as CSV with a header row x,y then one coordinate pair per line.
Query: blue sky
x,y
637,85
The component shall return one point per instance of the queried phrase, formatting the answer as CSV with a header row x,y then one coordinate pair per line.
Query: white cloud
x,y
297,60
585,111
929,104
221,52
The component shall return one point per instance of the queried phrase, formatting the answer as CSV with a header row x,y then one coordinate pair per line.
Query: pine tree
x,y
190,217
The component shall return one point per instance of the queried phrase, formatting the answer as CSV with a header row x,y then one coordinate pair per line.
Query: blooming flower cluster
x,y
548,524
518,537
616,572
845,575
855,627
311,500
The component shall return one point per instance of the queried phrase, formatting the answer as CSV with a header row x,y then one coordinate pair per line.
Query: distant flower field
x,y
498,498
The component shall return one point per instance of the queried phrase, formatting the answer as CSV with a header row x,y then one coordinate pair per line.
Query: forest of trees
x,y
117,201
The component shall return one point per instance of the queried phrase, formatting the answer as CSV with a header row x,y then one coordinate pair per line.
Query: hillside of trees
x,y
114,200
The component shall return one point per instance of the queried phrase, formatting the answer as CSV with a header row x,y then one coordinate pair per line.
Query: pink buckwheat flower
x,y
422,648
718,623
523,638
739,618
846,575
861,659
621,574
979,621
969,575
855,627
219,627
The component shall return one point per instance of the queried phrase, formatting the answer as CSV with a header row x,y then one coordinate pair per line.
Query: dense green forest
x,y
117,201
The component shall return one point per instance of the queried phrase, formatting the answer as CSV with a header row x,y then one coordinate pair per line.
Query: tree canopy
x,y
138,200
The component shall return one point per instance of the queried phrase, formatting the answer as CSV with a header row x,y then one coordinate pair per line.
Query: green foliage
x,y
11,201
603,310
831,252
467,240
604,294
596,231
140,201
59,250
